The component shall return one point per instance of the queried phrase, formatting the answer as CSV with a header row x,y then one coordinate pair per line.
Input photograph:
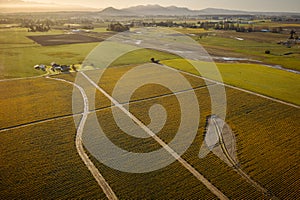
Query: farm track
x,y
80,149
20,47
183,162
15,79
236,166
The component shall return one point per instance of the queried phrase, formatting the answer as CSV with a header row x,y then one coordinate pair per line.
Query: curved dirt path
x,y
79,146
236,166
183,162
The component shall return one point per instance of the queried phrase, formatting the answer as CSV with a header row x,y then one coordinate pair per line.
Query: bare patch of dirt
x,y
51,40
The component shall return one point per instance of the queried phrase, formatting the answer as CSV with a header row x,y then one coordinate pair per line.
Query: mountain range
x,y
12,6
154,10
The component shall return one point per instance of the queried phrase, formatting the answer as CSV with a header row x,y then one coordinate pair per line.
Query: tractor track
x,y
236,166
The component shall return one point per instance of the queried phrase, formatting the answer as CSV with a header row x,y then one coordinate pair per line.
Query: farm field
x,y
265,146
17,51
252,46
40,161
281,126
21,47
62,39
262,144
27,100
214,169
277,83
249,46
71,38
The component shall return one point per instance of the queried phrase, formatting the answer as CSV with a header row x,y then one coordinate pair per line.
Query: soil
x,y
51,40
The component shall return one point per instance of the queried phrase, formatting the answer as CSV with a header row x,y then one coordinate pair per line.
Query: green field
x,y
18,60
19,54
254,77
17,50
254,45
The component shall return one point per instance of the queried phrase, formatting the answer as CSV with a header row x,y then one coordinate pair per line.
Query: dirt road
x,y
79,146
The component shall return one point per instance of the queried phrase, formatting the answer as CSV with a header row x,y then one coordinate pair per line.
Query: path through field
x,y
235,165
199,176
79,146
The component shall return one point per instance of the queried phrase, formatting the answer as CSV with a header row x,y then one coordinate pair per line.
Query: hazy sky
x,y
253,5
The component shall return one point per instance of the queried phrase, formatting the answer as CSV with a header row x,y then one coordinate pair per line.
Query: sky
x,y
249,5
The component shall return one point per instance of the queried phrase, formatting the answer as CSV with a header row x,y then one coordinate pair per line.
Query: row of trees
x,y
251,28
37,25
44,25
170,24
38,28
216,25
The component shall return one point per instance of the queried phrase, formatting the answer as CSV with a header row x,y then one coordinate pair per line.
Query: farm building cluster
x,y
56,68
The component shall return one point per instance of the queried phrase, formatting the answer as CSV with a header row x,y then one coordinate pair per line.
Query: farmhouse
x,y
40,67
60,68
56,68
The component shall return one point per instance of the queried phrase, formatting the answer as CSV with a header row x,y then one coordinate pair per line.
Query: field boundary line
x,y
166,95
79,145
38,122
183,162
234,87
32,123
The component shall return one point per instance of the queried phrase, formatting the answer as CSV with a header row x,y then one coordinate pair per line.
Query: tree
x,y
292,34
117,27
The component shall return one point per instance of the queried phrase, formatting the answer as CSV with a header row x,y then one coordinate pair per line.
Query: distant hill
x,y
14,6
218,11
159,10
154,10
110,11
